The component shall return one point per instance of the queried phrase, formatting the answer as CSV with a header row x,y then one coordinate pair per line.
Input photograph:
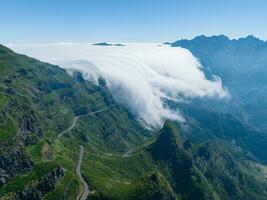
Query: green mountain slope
x,y
230,175
176,170
178,166
204,124
38,101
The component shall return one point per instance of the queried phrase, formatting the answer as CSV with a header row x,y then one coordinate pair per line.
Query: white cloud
x,y
138,75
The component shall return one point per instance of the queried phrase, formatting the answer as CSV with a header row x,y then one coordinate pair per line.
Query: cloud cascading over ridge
x,y
138,75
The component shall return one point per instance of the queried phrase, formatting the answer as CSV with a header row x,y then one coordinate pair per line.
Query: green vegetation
x,y
7,130
152,186
38,101
3,100
177,173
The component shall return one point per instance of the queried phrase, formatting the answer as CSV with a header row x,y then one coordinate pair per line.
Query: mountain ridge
x,y
220,37
241,65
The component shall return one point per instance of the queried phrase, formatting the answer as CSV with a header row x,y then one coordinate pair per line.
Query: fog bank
x,y
139,76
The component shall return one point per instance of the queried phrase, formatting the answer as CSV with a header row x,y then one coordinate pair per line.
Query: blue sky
x,y
34,21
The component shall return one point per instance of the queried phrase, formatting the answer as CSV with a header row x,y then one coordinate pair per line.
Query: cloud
x,y
139,76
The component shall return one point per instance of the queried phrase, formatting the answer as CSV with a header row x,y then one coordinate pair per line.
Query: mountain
x,y
231,176
167,168
203,125
38,102
47,116
178,166
108,44
241,64
227,58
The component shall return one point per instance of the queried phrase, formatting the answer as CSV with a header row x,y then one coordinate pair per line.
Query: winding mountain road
x,y
86,191
75,120
84,194
127,154
68,129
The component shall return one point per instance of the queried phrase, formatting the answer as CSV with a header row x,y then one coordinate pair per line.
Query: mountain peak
x,y
250,37
216,37
169,132
167,142
251,40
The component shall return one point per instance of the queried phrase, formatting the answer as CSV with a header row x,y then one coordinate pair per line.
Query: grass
x,y
7,130
111,175
68,188
65,153
39,151
3,100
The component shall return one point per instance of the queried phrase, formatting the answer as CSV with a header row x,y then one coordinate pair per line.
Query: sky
x,y
45,21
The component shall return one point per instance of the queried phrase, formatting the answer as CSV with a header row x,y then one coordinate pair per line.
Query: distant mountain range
x,y
242,66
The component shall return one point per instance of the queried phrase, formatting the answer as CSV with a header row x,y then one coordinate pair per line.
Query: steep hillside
x,y
166,168
230,175
160,169
177,165
38,101
203,125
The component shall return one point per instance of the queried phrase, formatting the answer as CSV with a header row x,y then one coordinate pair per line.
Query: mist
x,y
139,76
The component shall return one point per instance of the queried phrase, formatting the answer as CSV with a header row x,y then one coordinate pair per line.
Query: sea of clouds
x,y
140,76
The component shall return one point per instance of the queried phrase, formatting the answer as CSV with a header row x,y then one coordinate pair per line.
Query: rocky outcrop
x,y
29,123
29,129
45,185
13,163
10,91
13,160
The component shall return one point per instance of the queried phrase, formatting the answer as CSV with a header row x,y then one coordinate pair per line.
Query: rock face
x,y
45,185
10,91
29,124
13,158
13,163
